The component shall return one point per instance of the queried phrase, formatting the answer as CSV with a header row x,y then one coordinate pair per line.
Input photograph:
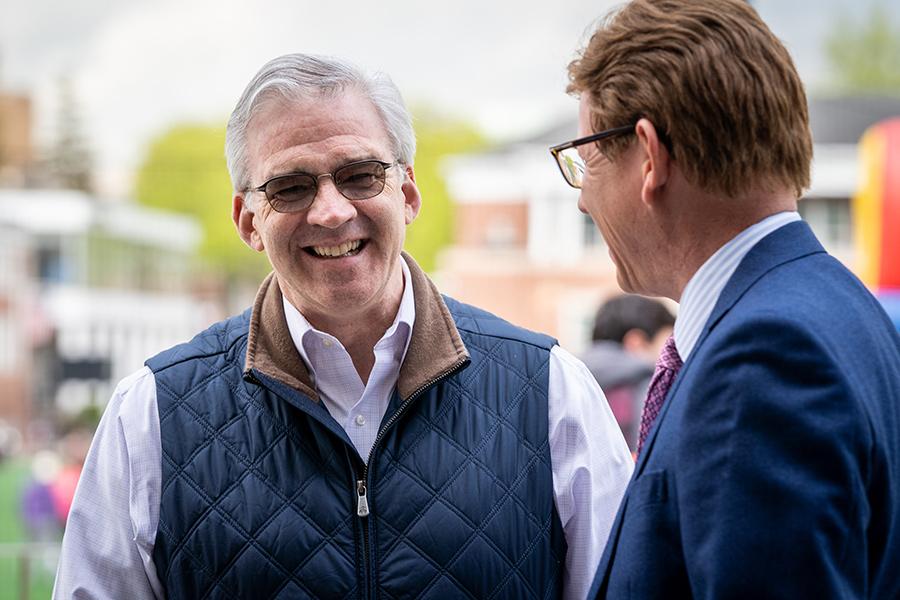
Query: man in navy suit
x,y
770,460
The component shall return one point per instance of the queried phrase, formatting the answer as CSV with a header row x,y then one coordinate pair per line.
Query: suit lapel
x,y
790,242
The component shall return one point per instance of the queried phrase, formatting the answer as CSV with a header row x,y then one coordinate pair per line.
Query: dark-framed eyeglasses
x,y
569,161
358,180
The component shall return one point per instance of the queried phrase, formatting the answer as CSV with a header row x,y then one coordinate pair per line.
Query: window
x,y
830,219
50,264
592,237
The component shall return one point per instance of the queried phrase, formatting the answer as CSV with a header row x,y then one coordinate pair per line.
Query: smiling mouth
x,y
346,249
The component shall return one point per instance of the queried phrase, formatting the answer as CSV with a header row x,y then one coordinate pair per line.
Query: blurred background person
x,y
46,495
629,331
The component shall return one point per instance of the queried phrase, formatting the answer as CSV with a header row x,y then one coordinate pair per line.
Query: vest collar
x,y
435,346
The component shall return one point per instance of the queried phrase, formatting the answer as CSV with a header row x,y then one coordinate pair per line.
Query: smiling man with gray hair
x,y
354,434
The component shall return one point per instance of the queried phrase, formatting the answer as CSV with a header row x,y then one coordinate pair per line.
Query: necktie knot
x,y
667,366
668,356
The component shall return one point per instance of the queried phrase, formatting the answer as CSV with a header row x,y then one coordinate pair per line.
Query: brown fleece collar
x,y
435,346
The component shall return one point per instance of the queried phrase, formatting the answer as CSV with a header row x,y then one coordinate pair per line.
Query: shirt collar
x,y
301,329
703,290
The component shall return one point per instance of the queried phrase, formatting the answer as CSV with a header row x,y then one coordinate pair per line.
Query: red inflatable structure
x,y
876,214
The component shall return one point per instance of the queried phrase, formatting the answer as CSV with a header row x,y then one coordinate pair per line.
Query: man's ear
x,y
411,196
244,221
656,162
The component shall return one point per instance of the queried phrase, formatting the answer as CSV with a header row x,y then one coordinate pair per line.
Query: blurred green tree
x,y
436,138
184,171
865,54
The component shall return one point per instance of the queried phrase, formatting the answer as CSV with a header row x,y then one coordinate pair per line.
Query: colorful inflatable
x,y
876,214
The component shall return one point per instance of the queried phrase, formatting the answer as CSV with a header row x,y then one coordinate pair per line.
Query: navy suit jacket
x,y
773,469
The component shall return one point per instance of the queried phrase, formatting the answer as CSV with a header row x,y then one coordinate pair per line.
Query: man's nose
x,y
329,208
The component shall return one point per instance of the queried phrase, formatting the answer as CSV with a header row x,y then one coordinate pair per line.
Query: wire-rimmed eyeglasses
x,y
294,192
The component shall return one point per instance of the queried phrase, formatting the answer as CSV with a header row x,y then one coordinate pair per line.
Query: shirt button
x,y
328,343
360,420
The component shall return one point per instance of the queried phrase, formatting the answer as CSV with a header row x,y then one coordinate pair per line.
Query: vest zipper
x,y
362,502
362,505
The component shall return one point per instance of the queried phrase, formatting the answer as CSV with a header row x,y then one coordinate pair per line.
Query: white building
x,y
15,291
93,289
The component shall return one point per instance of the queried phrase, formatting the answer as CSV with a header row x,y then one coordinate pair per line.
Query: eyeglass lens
x,y
571,165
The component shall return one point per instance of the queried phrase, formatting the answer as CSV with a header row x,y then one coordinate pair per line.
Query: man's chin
x,y
620,277
624,284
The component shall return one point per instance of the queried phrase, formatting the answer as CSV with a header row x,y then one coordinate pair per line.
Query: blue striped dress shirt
x,y
702,291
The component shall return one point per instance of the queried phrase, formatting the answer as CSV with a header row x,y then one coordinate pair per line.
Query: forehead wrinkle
x,y
315,161
286,142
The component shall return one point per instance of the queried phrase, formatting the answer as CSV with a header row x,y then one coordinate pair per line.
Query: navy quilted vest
x,y
260,485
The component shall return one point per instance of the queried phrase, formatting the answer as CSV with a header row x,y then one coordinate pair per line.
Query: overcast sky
x,y
138,66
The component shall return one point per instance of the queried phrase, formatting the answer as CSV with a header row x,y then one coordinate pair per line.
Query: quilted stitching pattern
x,y
225,515
446,497
258,496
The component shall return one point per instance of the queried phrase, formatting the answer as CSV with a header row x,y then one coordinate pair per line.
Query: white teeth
x,y
337,250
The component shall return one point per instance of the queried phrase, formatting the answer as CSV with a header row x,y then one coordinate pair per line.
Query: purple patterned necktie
x,y
667,366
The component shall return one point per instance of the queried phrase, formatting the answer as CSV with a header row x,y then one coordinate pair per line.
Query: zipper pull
x,y
362,505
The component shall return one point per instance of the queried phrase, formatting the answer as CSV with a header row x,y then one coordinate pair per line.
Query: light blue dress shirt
x,y
704,288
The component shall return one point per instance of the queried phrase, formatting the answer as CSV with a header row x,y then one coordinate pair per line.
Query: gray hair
x,y
304,77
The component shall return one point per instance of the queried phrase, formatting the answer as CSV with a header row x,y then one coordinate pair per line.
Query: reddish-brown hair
x,y
713,78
